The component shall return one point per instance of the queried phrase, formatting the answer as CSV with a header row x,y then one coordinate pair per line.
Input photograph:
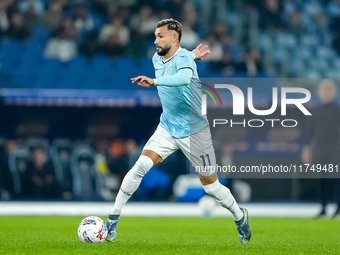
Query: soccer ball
x,y
92,230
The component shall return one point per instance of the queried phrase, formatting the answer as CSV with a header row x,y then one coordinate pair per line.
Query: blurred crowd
x,y
241,34
36,169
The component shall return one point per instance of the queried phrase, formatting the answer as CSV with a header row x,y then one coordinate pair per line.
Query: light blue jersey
x,y
181,105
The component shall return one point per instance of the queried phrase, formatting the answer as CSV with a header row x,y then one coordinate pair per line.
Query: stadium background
x,y
65,89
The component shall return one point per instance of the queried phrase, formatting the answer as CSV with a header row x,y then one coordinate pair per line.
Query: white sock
x,y
131,182
224,198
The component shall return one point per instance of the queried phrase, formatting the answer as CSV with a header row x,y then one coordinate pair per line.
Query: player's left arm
x,y
201,52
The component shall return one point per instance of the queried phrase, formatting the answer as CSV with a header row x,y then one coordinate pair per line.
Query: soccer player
x,y
182,126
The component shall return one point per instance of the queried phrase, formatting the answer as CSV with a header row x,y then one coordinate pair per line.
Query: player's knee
x,y
213,188
208,179
142,166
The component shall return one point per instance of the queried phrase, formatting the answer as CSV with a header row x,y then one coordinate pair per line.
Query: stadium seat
x,y
18,161
79,64
86,180
333,73
102,80
101,63
60,151
40,33
50,74
72,80
265,42
313,73
280,55
309,41
11,45
28,69
10,55
297,67
141,67
33,46
304,53
9,62
324,52
47,80
285,41
34,142
75,73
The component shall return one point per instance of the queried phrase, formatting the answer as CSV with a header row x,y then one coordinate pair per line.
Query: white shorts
x,y
197,148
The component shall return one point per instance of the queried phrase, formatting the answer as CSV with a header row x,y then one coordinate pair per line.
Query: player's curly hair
x,y
172,25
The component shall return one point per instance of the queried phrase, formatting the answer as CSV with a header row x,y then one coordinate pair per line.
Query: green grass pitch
x,y
170,235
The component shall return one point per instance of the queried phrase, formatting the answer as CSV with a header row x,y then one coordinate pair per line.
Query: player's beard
x,y
163,50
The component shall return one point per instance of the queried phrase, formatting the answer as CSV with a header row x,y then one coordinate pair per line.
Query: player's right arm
x,y
143,81
181,78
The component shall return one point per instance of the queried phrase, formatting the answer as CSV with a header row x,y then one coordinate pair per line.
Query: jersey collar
x,y
166,61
